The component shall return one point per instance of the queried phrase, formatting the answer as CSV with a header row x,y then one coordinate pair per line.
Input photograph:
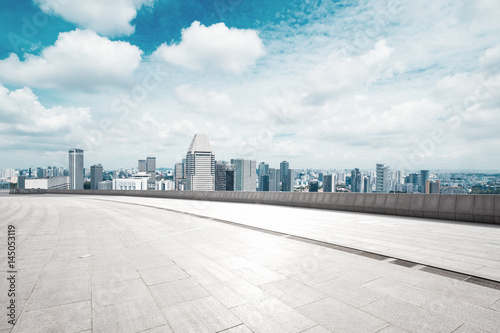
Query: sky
x,y
321,84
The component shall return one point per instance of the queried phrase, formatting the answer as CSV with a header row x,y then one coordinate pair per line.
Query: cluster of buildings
x,y
200,171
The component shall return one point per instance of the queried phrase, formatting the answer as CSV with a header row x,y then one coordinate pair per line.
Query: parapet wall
x,y
459,207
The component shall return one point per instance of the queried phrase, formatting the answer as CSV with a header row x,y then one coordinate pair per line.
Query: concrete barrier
x,y
470,208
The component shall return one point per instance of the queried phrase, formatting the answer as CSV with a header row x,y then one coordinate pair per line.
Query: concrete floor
x,y
88,263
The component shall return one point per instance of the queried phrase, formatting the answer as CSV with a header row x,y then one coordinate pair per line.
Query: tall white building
x,y
76,169
245,175
200,165
383,181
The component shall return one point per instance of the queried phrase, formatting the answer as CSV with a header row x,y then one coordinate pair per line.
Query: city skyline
x,y
327,84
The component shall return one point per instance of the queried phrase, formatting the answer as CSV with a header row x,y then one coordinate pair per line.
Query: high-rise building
x,y
245,175
224,176
382,184
76,169
178,175
314,185
432,187
141,166
96,172
286,176
200,165
328,183
263,171
151,171
424,177
274,180
357,181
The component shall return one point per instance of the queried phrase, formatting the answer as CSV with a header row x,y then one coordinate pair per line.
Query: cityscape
x,y
200,171
231,166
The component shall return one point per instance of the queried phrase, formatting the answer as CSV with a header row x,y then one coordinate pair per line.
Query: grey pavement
x,y
121,264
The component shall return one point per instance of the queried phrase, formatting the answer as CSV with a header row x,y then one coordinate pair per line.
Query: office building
x,y
286,176
245,175
263,171
151,171
313,185
328,183
424,177
224,176
382,184
105,185
76,169
21,182
178,175
54,183
141,167
96,172
274,180
432,187
200,165
357,181
139,181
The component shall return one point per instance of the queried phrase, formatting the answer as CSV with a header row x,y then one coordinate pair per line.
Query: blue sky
x,y
322,84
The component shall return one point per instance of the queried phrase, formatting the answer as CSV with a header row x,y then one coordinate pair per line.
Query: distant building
x,y
263,171
200,162
286,176
357,181
382,181
151,171
274,180
96,172
224,176
314,185
139,181
245,175
105,185
178,175
141,166
424,177
328,183
21,182
54,183
432,187
76,169
4,185
165,185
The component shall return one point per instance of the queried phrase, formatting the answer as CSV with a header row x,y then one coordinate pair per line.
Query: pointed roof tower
x,y
200,143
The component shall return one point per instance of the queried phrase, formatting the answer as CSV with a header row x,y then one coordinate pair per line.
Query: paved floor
x,y
89,264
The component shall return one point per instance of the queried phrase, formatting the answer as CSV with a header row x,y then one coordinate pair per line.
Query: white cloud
x,y
198,99
340,72
79,59
22,114
214,47
111,18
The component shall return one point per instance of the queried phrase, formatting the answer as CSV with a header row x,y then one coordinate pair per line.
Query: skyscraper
x,y
224,176
96,172
200,165
141,166
263,171
178,175
286,176
274,180
424,177
313,185
382,182
245,175
357,181
76,169
151,171
328,183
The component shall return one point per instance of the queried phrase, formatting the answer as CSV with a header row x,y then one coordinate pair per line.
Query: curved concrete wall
x,y
470,208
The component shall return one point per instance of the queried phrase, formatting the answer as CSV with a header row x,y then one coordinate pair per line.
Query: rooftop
x,y
132,264
200,143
